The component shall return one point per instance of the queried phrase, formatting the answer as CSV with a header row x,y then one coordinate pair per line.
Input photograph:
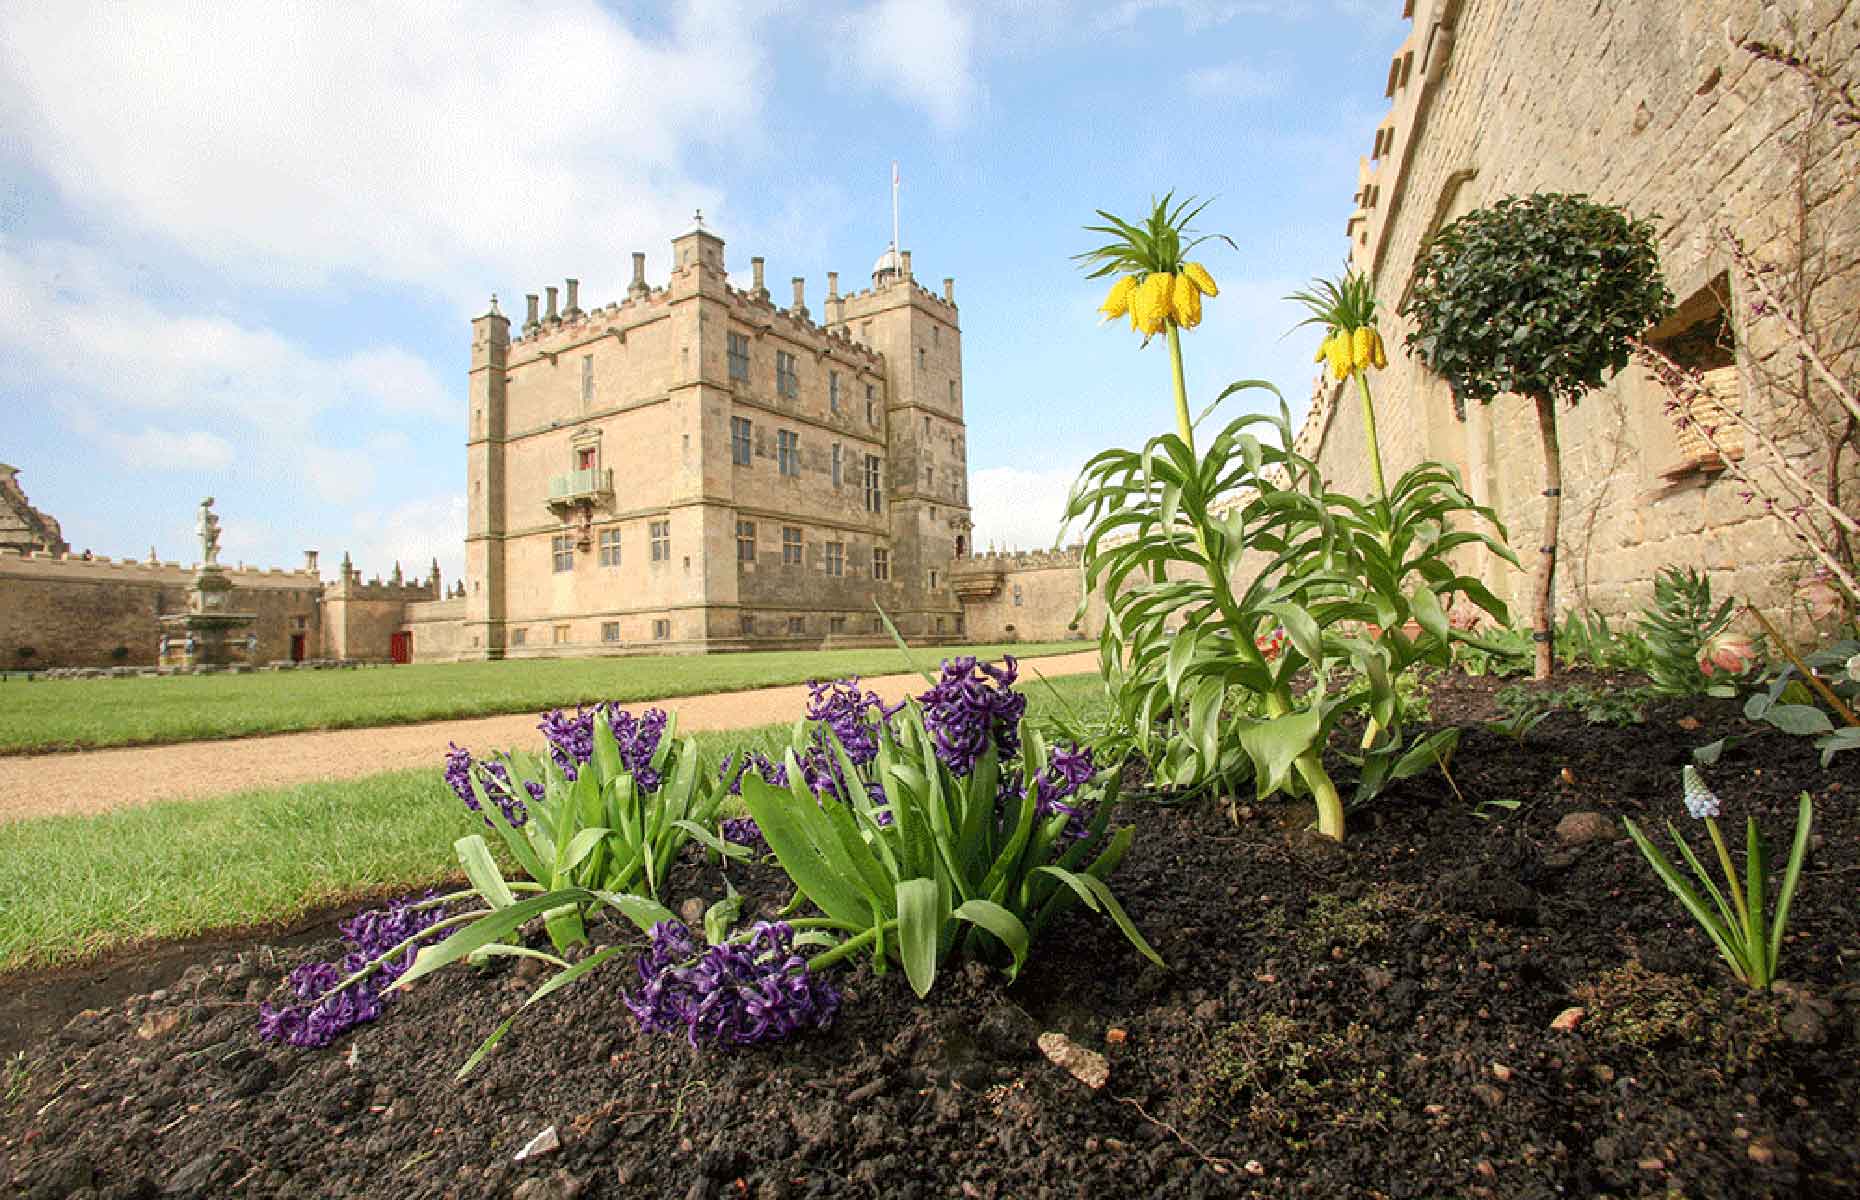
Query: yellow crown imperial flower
x,y
1185,299
1339,354
1117,302
1199,276
1150,306
1323,351
1380,359
1362,347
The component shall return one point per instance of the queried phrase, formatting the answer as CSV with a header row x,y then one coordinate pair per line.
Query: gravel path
x,y
96,780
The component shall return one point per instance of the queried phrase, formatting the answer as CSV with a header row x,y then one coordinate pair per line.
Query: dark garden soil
x,y
1372,1020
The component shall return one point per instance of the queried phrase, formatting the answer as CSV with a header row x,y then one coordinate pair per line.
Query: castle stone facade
x,y
1648,105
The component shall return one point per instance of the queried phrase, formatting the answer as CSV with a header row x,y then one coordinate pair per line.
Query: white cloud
x,y
111,358
413,534
161,450
1234,81
398,381
922,51
291,144
1017,509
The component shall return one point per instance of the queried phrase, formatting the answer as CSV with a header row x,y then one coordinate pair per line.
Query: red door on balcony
x,y
400,647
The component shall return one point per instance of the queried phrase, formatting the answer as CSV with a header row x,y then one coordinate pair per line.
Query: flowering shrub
x,y
1746,935
942,845
732,993
334,997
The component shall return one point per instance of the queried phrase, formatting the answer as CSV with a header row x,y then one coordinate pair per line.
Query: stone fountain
x,y
209,634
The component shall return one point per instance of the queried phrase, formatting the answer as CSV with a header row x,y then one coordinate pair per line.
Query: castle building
x,y
696,469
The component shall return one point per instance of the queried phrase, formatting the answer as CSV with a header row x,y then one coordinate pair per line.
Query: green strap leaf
x,y
1096,894
558,981
1003,924
481,870
1792,875
919,924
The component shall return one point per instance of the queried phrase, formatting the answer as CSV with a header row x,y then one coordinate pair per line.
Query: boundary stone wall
x,y
76,612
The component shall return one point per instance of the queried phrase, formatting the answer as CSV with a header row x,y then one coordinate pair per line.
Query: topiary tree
x,y
1538,296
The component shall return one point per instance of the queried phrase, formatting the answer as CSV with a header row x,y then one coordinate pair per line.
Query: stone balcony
x,y
581,487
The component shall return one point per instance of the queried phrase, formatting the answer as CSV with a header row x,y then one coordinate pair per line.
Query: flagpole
x,y
897,252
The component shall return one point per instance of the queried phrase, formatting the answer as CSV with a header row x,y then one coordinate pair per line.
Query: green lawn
x,y
89,713
77,886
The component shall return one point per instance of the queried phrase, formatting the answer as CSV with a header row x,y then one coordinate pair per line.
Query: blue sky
x,y
240,244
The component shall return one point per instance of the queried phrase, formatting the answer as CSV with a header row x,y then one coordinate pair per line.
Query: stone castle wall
x,y
1028,596
1645,105
77,612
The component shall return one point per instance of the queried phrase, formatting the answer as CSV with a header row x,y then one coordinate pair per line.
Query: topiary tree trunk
x,y
1543,579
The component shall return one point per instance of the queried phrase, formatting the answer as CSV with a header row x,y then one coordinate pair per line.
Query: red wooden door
x,y
400,647
297,647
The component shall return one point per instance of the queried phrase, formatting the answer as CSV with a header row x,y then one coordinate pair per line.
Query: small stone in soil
x,y
539,1145
1087,1066
1567,1020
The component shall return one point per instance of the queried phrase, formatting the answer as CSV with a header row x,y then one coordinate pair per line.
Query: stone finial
x,y
348,568
549,314
495,311
396,579
638,289
574,299
905,264
432,576
800,297
949,289
310,561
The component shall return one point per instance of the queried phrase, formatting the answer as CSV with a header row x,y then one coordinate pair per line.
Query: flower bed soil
x,y
1374,1020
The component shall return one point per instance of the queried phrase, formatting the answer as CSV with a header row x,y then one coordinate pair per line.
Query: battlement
x,y
45,564
867,300
576,325
805,327
1022,560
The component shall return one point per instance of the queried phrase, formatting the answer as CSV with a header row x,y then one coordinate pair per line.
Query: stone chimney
x,y
310,561
574,299
549,315
757,288
833,285
949,289
906,256
530,322
800,297
638,290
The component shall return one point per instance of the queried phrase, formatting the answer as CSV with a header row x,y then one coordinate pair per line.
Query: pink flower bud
x,y
1732,653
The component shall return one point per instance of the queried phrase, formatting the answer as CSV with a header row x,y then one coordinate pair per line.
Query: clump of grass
x,y
1633,1008
1283,1077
